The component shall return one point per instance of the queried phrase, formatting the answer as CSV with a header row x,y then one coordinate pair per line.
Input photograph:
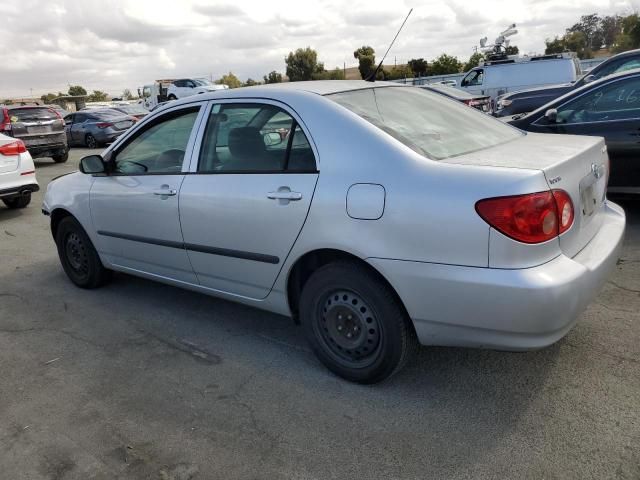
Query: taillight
x,y
13,148
104,124
565,210
5,126
530,218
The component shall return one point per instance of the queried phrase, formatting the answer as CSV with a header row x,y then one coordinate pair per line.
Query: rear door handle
x,y
285,195
165,192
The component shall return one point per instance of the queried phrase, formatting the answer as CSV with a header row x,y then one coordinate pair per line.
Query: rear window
x,y
106,113
31,114
427,122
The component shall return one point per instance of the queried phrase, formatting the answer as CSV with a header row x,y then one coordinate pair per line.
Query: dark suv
x,y
531,99
40,128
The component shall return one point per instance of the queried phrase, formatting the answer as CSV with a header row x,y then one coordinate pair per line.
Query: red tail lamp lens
x,y
531,218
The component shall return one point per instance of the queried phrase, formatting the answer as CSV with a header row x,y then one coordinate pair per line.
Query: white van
x,y
497,77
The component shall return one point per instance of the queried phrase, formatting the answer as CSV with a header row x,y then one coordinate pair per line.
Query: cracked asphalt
x,y
144,381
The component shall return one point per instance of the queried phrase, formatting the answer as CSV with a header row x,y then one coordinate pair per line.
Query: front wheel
x,y
90,141
355,324
78,256
17,202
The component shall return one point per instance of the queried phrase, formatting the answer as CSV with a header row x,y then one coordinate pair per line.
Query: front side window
x,y
475,77
615,101
254,138
159,148
427,122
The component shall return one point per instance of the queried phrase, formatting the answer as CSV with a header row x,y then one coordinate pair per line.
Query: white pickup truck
x,y
165,90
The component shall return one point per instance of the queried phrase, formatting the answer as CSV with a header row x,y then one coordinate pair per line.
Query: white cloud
x,y
117,44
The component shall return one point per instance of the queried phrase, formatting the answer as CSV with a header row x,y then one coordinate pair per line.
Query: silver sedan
x,y
377,216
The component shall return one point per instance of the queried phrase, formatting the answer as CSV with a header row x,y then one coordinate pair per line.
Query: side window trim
x,y
121,143
193,166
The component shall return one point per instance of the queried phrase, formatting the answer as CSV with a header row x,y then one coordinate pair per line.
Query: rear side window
x,y
426,122
254,138
32,114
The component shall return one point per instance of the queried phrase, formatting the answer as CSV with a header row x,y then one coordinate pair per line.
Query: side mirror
x,y
551,115
589,78
272,138
92,164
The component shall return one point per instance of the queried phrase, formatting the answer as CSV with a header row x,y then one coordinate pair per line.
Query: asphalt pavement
x,y
139,380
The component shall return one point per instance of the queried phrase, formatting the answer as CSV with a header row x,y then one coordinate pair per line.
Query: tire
x,y
61,158
78,256
90,141
355,324
172,97
17,202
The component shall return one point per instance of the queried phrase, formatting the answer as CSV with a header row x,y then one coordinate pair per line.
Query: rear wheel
x,y
90,141
355,324
78,256
61,158
18,202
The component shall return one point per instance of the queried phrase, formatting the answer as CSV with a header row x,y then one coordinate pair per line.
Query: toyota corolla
x,y
378,216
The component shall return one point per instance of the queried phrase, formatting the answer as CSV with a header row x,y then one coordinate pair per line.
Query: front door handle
x,y
285,195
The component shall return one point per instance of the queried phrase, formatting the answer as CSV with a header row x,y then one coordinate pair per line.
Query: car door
x,y
68,123
247,198
610,110
135,208
78,128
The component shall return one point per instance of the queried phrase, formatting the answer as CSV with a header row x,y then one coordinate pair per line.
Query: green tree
x,y
397,72
445,64
7,101
127,95
512,50
230,80
611,26
76,90
590,26
418,66
273,77
250,82
366,57
335,74
47,98
570,42
98,96
474,61
303,64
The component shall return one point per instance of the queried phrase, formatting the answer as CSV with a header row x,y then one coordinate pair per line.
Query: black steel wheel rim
x,y
348,329
76,254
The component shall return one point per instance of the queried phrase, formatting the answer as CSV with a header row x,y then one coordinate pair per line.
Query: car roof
x,y
451,91
319,87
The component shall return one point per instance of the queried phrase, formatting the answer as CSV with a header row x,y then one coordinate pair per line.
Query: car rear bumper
x,y
18,190
47,150
517,309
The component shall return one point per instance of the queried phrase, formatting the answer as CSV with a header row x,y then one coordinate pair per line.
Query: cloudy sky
x,y
117,44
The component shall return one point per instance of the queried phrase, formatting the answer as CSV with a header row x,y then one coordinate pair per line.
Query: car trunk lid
x,y
576,164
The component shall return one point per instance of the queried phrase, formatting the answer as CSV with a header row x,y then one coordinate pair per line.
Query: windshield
x,y
202,82
426,122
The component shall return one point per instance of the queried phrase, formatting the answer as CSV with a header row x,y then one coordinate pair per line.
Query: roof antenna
x,y
372,77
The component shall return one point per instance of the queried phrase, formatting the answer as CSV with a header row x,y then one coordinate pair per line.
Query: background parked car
x,y
17,173
497,77
40,128
191,86
135,110
609,107
530,99
481,102
94,128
